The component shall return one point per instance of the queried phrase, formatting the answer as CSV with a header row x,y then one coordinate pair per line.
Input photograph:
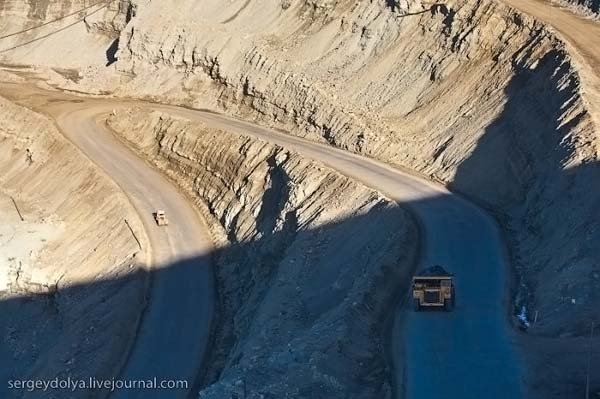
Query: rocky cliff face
x,y
66,35
106,17
470,92
312,265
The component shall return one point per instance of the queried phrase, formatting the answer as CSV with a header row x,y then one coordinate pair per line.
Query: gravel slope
x,y
582,36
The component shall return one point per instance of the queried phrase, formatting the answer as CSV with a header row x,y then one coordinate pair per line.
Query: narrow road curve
x,y
467,353
464,354
175,327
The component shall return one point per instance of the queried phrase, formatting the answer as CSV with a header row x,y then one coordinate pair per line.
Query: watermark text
x,y
72,384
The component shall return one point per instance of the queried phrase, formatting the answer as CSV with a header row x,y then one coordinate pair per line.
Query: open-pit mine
x,y
300,199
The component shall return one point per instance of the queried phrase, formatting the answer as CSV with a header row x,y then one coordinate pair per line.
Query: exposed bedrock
x,y
472,93
313,264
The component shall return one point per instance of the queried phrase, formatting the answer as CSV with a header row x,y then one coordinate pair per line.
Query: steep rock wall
x,y
65,35
312,268
109,17
470,92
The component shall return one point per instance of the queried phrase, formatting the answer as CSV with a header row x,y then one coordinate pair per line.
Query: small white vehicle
x,y
161,218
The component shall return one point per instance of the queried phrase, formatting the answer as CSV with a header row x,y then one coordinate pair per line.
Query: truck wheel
x,y
417,305
447,305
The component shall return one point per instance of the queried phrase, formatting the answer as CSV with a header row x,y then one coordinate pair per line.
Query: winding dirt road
x,y
176,325
464,354
467,353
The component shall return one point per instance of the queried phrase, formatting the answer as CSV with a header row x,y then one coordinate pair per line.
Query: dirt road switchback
x,y
467,353
175,326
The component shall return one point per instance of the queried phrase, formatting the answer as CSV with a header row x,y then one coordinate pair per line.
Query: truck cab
x,y
433,288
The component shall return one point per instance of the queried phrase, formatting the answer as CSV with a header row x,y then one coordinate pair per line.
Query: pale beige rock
x,y
472,93
71,270
312,265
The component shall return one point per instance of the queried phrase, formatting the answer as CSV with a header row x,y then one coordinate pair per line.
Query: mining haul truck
x,y
161,218
433,288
